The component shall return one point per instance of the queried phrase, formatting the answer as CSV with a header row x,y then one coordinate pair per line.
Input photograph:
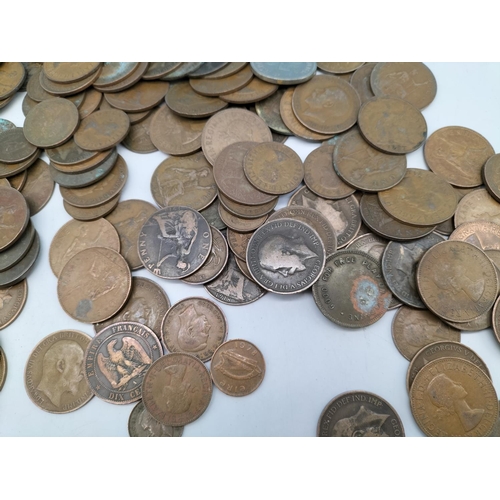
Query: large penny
x,y
39,187
482,234
96,159
14,147
68,72
142,424
238,242
247,211
477,206
70,154
12,75
284,73
14,216
240,223
131,80
12,300
69,90
90,104
182,99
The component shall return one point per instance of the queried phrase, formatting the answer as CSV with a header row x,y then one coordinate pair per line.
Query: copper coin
x,y
458,154
175,135
284,73
12,300
28,104
421,198
68,72
4,102
230,69
326,104
247,211
183,100
255,91
90,104
273,168
411,81
83,166
453,397
76,236
320,176
222,86
53,376
11,169
230,126
491,176
243,267
392,125
3,368
139,117
457,281
102,130
70,154
359,414
12,75
238,242
207,68
117,360
177,389
94,284
115,72
239,223
496,319
186,181
18,250
141,97
160,69
482,234
142,424
269,110
39,187
478,205
360,80
147,304
20,270
17,181
339,67
183,70
66,89
4,183
14,148
35,90
475,325
90,214
14,216
211,214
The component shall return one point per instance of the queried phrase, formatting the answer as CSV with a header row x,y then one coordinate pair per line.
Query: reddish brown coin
x,y
14,216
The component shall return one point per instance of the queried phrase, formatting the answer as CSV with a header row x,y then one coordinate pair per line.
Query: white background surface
x,y
309,360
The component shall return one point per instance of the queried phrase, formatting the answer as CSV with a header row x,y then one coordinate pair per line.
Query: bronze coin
x,y
160,69
66,89
19,249
35,90
20,270
117,359
273,168
90,104
482,234
12,75
222,86
76,236
69,154
14,216
247,211
457,281
320,176
496,319
12,169
17,181
68,72
131,80
4,102
115,72
183,70
421,198
207,68
12,302
102,130
175,135
142,424
14,147
255,91
3,368
411,81
94,284
491,176
243,267
392,125
39,187
147,304
141,97
239,223
128,218
230,69
5,183
477,206
364,167
238,242
339,67
360,80
183,100
238,367
269,110
230,126
475,325
83,166
326,104
211,214
458,154
53,376
90,214
139,117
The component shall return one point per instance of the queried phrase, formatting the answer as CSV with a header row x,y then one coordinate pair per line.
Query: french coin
x,y
491,176
68,90
186,181
482,234
343,215
211,214
255,91
238,368
175,135
238,242
230,126
421,198
117,359
96,159
364,167
68,72
142,424
414,329
183,70
247,211
399,266
12,300
183,100
70,154
94,284
392,125
360,80
453,397
195,326
6,125
53,376
215,263
364,298
359,414
438,350
284,73
102,130
18,250
326,104
141,97
339,67
221,86
128,218
411,81
3,368
458,154
290,120
14,216
14,148
312,217
147,304
269,110
11,169
17,181
115,72
457,281
478,205
160,69
138,138
230,69
12,75
207,68
90,214
174,242
39,187
90,104
239,223
285,256
76,236
321,178
232,287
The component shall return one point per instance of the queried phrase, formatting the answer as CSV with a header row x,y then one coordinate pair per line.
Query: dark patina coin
x,y
18,250
14,147
19,271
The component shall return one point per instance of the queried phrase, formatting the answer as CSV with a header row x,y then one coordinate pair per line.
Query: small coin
x,y
221,86
482,234
68,72
90,214
177,389
18,250
478,205
269,110
339,67
138,139
14,216
3,368
183,100
94,284
117,360
53,376
240,224
491,176
360,80
115,72
453,397
142,424
256,90
247,211
359,414
211,214
14,148
11,169
13,299
141,97
392,125
12,75
284,73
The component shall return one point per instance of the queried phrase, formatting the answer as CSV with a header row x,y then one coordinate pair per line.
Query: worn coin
x,y
85,165
183,100
359,414
177,389
284,73
339,67
4,102
238,242
360,80
53,376
256,90
243,267
228,70
491,176
12,75
28,104
496,319
94,284
141,97
20,270
475,325
69,90
478,205
70,154
183,70
207,68
68,72
247,211
90,214
39,187
221,86
117,360
14,216
269,110
129,81
90,104
18,250
34,89
482,234
142,424
240,224
12,300
14,148
138,139
12,169
6,125
211,214
115,72
3,368
159,69
17,181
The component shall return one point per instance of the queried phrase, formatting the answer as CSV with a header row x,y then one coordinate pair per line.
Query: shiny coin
x,y
89,214
12,75
491,176
142,424
20,270
478,205
3,368
67,72
284,73
141,97
18,250
222,86
14,148
183,100
39,187
269,110
255,91
138,139
360,80
12,300
339,67
14,216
